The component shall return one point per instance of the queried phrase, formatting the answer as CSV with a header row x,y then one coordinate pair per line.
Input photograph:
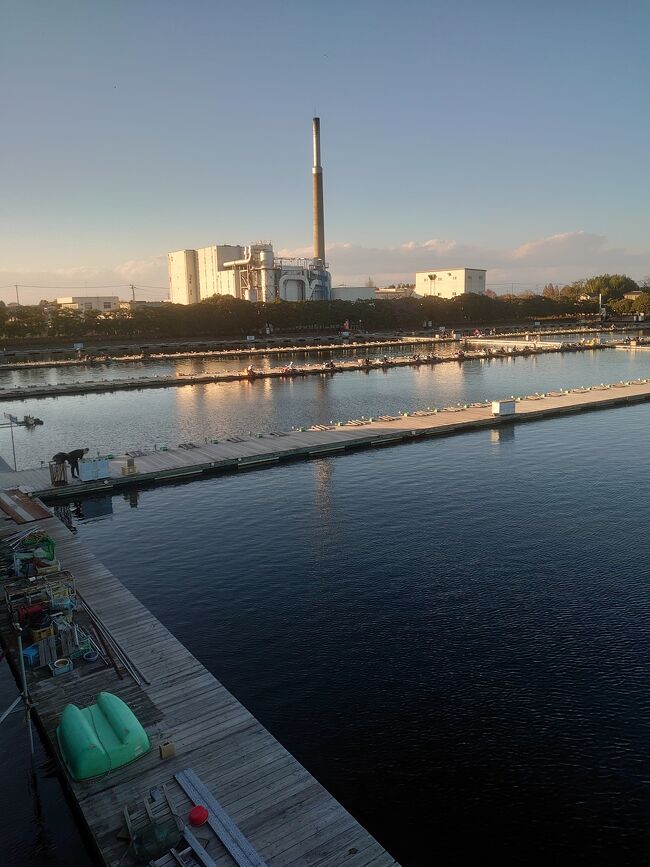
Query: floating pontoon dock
x,y
238,453
286,816
138,383
134,352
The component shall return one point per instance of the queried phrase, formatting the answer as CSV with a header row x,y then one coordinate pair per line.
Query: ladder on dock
x,y
240,848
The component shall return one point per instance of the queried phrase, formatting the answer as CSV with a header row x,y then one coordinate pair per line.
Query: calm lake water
x,y
451,635
137,420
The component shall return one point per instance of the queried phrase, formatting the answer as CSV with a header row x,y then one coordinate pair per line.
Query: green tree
x,y
611,286
642,303
66,322
573,291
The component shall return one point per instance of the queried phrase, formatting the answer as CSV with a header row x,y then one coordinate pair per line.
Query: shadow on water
x,y
36,823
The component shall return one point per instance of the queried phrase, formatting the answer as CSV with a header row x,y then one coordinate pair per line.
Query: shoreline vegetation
x,y
227,317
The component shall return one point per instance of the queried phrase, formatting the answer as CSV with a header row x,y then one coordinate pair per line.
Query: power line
x,y
144,286
80,290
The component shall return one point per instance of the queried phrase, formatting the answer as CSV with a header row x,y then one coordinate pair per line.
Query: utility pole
x,y
17,298
133,293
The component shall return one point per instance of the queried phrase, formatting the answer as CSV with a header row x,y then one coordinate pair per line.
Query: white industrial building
x,y
254,272
183,277
90,302
250,273
450,283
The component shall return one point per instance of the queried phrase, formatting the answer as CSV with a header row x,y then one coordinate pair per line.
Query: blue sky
x,y
506,135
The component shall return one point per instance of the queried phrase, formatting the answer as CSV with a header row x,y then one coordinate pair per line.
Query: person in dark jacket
x,y
73,459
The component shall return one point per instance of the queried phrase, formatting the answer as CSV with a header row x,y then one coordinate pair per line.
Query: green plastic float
x,y
98,739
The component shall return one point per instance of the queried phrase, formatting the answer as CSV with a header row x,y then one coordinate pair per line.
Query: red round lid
x,y
198,816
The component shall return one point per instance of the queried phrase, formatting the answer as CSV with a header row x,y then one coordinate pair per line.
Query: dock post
x,y
25,694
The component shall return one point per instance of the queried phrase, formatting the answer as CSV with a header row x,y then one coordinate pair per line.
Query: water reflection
x,y
503,434
36,824
431,629
113,423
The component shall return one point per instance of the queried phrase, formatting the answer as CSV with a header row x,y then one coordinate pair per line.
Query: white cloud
x,y
87,280
295,252
144,270
564,247
561,257
439,245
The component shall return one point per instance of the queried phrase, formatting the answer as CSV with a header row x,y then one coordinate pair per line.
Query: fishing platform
x,y
202,747
236,453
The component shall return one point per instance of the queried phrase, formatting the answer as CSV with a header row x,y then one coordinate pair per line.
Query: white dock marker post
x,y
12,420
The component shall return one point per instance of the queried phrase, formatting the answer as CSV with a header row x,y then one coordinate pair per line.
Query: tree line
x,y
224,316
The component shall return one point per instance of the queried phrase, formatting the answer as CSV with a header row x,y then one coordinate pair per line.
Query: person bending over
x,y
73,459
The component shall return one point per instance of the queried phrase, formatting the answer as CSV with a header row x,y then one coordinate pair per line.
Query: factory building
x,y
84,303
183,277
253,272
450,283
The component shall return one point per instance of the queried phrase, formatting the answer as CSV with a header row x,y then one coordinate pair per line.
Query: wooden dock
x,y
535,342
284,813
224,349
176,380
240,453
139,383
183,351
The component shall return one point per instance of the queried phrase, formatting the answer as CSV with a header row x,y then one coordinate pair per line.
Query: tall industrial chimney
x,y
317,176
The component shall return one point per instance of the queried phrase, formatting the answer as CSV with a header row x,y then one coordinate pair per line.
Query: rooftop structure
x,y
353,293
393,292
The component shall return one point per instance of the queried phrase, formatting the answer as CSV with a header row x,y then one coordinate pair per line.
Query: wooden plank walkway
x,y
521,343
139,383
252,350
240,349
239,453
288,817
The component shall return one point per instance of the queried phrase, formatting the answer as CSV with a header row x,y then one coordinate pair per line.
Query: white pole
x,y
13,444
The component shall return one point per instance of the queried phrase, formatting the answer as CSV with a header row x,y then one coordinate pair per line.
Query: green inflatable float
x,y
98,739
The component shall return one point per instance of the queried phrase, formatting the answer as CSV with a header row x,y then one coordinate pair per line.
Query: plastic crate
x,y
61,666
94,468
40,634
30,655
